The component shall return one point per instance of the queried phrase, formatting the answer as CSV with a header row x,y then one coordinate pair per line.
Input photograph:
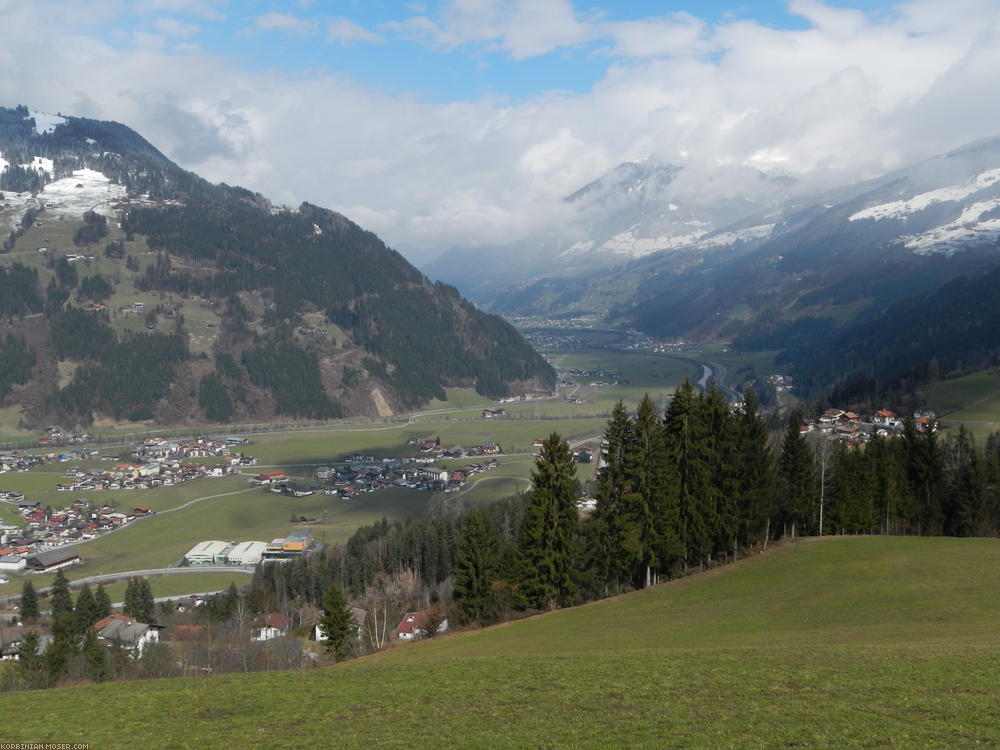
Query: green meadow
x,y
840,642
947,396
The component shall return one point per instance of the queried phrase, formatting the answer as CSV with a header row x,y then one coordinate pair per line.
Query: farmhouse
x,y
133,636
413,627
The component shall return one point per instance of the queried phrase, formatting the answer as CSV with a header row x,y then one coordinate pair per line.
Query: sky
x,y
462,123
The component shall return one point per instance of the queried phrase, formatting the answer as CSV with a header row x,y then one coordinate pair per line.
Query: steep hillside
x,y
131,289
840,642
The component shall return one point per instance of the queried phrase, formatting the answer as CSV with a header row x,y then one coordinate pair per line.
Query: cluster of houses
x,y
47,528
780,382
15,461
56,435
854,428
132,636
163,464
350,479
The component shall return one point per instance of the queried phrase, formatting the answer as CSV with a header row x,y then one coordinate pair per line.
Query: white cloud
x,y
285,23
522,28
848,96
346,32
208,10
175,28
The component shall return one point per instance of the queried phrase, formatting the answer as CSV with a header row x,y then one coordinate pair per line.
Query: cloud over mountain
x,y
847,95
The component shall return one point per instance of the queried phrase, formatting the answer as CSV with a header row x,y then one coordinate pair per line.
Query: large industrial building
x,y
246,553
207,553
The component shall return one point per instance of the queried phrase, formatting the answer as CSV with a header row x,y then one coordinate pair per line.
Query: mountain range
x,y
799,275
133,289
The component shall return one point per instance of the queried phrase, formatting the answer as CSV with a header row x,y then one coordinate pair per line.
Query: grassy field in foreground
x,y
842,642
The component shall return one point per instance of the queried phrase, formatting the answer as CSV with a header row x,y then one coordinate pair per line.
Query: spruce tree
x,y
62,600
139,604
64,646
548,540
102,603
754,465
476,568
337,623
649,510
130,605
722,449
95,657
86,608
608,528
795,473
29,602
30,664
925,474
146,603
685,439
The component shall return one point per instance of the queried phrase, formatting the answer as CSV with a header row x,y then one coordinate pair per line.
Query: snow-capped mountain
x,y
641,208
634,210
858,247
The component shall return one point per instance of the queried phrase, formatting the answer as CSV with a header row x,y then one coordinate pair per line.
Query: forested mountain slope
x,y
132,289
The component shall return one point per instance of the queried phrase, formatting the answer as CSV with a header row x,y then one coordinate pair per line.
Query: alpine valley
x,y
870,287
131,289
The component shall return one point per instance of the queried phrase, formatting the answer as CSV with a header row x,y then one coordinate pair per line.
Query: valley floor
x,y
838,642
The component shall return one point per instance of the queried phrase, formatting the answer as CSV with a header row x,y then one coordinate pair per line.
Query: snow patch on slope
x,y
46,123
901,209
740,235
84,190
627,244
966,230
40,164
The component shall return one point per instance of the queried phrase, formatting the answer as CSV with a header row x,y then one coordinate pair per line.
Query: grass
x,y
180,585
844,642
254,514
948,396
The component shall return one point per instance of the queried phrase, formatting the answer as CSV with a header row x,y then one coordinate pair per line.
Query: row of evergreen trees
x,y
694,485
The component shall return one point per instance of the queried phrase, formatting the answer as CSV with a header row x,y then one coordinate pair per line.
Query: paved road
x,y
111,577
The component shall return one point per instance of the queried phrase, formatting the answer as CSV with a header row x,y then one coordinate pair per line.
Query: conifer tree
x,y
64,646
476,568
754,465
965,513
925,473
685,438
139,603
796,478
29,602
102,603
337,623
86,608
649,509
722,446
548,541
30,663
95,657
62,600
607,530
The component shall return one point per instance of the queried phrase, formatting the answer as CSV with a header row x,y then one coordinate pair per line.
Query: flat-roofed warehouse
x,y
299,540
246,553
207,553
